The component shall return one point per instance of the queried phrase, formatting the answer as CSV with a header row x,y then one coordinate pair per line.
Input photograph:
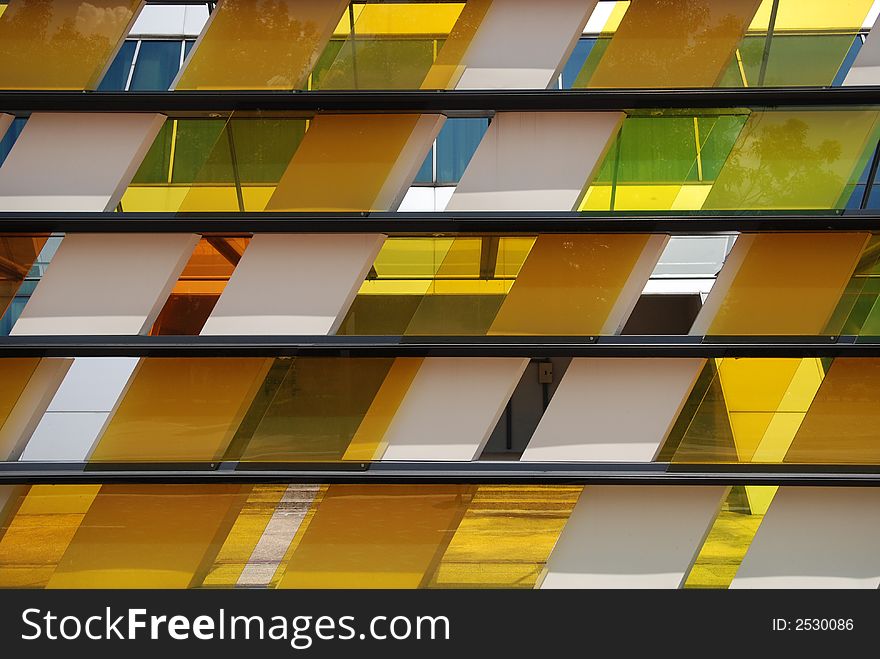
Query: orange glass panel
x,y
149,536
61,44
181,409
686,43
843,423
14,376
381,536
262,44
569,284
17,256
788,283
343,163
199,286
447,67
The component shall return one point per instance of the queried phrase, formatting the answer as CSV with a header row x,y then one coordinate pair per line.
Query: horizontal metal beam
x,y
458,102
482,472
536,347
444,223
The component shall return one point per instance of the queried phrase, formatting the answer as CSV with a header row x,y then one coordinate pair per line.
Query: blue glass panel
x,y
188,46
157,64
426,171
456,143
117,75
11,135
874,197
576,61
847,62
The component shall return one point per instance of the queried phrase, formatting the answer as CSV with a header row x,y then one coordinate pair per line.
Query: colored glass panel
x,y
249,526
34,539
128,539
199,286
730,537
382,536
696,42
343,163
181,409
387,46
794,159
505,537
569,284
788,283
663,162
842,423
858,311
308,409
61,44
17,256
744,410
265,44
15,375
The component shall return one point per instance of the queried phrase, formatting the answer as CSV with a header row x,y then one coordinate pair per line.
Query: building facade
x,y
486,293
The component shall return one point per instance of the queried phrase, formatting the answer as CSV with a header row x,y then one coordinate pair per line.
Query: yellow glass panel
x,y
749,411
61,44
262,44
17,256
181,409
343,163
391,45
693,47
367,441
788,283
298,536
569,284
246,532
794,159
14,375
447,67
505,537
36,537
805,15
149,536
380,536
841,426
730,537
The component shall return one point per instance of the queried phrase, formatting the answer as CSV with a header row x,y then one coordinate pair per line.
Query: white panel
x,y
866,69
294,284
442,196
66,436
612,410
419,199
599,17
106,284
93,384
31,405
75,161
522,44
279,533
451,408
535,161
160,20
195,19
632,536
816,537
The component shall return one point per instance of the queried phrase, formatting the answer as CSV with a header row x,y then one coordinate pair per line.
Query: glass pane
x,y
60,44
116,77
10,136
263,44
157,64
17,256
456,143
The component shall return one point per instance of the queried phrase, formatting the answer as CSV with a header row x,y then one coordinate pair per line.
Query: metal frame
x,y
534,347
430,223
480,472
456,102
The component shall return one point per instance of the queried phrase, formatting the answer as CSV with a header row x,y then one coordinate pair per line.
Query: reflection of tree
x,y
60,43
777,167
673,42
277,47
